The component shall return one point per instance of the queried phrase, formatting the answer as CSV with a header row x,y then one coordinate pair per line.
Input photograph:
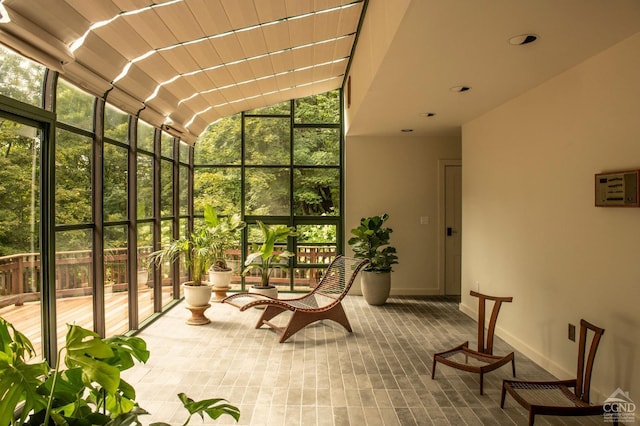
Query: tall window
x,y
115,183
20,226
280,165
73,208
90,164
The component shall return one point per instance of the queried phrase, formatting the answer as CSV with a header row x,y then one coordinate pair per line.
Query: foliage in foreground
x,y
89,391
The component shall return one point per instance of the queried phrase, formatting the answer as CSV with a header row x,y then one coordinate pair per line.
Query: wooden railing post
x,y
19,282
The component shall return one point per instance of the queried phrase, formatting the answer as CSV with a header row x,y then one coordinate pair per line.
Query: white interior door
x,y
453,229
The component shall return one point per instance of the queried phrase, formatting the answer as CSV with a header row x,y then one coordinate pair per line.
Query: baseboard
x,y
415,292
521,346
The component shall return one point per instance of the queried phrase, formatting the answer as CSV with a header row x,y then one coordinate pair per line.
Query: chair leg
x,y
338,315
433,368
513,366
481,382
532,418
297,323
268,313
300,320
503,395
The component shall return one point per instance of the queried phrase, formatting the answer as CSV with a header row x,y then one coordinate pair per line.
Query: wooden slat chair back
x,y
483,360
556,398
323,302
583,375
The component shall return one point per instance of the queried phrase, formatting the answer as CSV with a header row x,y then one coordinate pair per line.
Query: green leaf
x,y
210,216
125,349
19,383
14,343
214,407
87,350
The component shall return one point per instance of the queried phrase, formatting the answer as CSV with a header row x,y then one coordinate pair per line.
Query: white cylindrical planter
x,y
197,295
220,278
221,281
143,277
271,291
376,287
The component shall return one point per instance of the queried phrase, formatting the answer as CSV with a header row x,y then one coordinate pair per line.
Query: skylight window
x,y
127,67
79,42
239,61
286,89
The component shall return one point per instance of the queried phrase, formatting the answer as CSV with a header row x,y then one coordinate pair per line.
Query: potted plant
x,y
89,389
371,241
199,256
224,231
266,258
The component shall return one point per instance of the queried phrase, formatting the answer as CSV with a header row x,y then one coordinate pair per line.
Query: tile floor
x,y
378,375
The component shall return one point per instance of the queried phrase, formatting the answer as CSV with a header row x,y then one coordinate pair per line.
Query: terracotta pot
x,y
376,287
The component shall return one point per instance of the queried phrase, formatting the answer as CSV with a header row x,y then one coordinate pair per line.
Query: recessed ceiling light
x,y
406,130
521,39
427,114
460,89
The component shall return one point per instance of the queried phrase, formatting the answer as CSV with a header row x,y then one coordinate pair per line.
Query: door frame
x,y
442,165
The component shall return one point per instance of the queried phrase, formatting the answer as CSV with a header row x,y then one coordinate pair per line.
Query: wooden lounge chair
x,y
554,398
483,360
323,302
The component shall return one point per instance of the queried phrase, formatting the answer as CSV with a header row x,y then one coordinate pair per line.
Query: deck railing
x,y
19,273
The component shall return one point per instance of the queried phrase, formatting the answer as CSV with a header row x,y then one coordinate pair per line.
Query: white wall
x,y
399,176
382,21
531,230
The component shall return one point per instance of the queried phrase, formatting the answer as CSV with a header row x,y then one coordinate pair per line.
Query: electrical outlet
x,y
572,332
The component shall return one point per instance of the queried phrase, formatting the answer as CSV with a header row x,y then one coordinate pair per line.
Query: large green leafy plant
x,y
371,241
88,391
265,257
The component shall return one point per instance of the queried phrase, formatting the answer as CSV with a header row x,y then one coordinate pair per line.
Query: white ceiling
x,y
206,62
446,43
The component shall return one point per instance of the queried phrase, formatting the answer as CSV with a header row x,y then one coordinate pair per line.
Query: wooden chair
x,y
483,360
554,398
323,302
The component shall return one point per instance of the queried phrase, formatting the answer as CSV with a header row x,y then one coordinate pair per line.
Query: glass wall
x,y
98,276
112,189
281,165
20,297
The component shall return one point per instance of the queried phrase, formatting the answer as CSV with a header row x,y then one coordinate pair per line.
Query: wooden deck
x,y
79,311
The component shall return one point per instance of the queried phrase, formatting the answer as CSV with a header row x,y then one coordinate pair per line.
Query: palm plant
x,y
265,257
198,249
